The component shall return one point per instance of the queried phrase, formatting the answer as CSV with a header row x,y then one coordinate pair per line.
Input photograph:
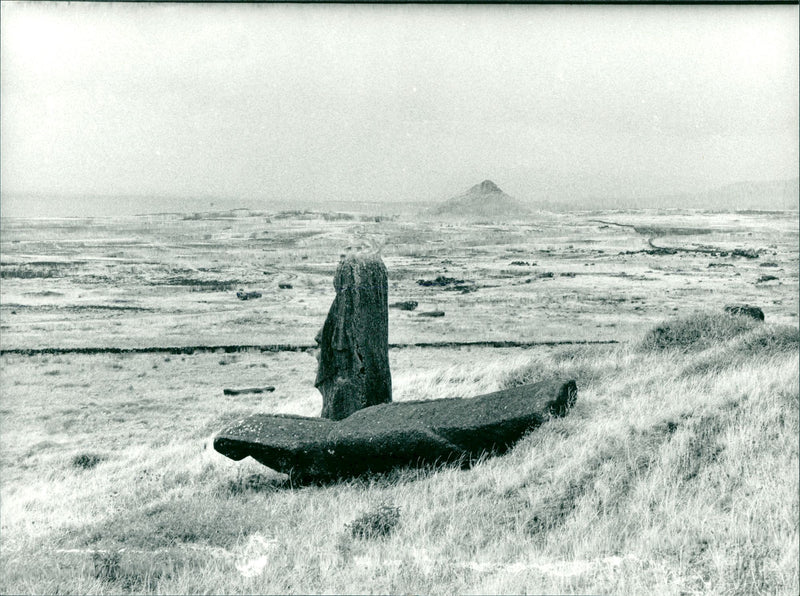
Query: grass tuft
x,y
255,483
131,577
695,332
762,342
178,521
771,340
107,566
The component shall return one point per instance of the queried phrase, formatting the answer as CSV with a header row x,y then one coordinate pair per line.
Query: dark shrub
x,y
745,310
86,461
375,524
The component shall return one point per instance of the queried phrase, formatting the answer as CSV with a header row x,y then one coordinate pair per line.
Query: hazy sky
x,y
371,102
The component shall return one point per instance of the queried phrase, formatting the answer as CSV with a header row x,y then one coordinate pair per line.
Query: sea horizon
x,y
89,206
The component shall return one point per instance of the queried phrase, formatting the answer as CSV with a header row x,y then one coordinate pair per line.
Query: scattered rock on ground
x,y
441,281
268,389
353,369
661,251
407,305
242,295
450,283
765,278
380,438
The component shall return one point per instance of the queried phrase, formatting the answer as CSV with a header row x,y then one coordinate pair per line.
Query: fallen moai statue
x,y
381,437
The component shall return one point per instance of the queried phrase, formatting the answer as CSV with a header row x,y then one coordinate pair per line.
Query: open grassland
x,y
677,472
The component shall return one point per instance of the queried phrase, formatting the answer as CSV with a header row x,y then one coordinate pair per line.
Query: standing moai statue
x,y
353,370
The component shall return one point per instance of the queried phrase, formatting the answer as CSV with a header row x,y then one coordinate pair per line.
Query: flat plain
x,y
170,280
677,472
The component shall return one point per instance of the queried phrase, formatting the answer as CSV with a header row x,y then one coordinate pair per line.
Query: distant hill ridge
x,y
485,199
765,195
755,194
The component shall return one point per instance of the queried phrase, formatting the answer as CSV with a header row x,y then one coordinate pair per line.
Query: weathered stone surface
x,y
747,253
353,370
268,389
431,313
745,310
381,437
242,295
405,305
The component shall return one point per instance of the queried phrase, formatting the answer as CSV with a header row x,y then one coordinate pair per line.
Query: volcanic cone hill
x,y
484,200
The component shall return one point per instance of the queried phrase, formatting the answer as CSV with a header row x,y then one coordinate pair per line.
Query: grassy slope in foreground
x,y
676,472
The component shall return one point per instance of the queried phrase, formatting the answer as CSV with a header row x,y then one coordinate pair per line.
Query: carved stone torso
x,y
353,370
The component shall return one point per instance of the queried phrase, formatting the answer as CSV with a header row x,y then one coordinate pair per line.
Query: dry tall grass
x,y
676,473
